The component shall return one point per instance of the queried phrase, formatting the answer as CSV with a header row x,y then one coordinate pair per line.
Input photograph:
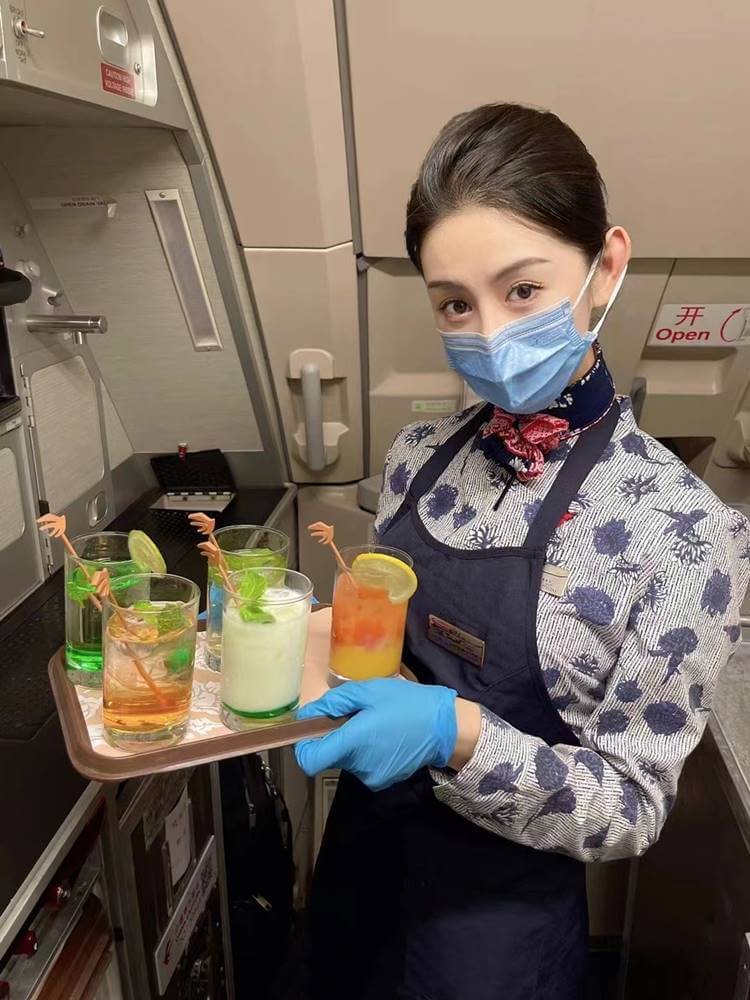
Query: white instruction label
x,y
177,836
708,325
74,201
175,938
433,406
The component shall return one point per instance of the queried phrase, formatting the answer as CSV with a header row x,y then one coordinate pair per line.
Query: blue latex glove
x,y
397,727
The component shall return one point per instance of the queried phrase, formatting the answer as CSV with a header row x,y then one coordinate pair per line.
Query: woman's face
x,y
485,268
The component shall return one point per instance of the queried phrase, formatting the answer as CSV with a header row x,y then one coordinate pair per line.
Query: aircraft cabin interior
x,y
207,307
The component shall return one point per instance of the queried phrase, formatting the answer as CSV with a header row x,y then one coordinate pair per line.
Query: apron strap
x,y
444,454
584,455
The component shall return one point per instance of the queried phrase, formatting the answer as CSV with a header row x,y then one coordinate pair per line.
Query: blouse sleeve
x,y
609,797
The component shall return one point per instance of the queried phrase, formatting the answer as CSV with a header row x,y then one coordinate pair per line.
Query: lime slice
x,y
143,551
380,570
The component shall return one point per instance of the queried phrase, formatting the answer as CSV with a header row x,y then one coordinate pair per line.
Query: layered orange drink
x,y
370,602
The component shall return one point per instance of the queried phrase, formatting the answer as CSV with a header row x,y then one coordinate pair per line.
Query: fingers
x,y
314,756
343,700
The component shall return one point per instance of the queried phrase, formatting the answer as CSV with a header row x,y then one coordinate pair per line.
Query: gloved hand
x,y
397,727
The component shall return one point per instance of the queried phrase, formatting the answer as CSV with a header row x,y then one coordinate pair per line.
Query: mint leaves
x,y
253,613
251,588
170,620
117,583
179,659
79,588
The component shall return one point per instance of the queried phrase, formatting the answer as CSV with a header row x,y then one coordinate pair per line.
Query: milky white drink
x,y
262,661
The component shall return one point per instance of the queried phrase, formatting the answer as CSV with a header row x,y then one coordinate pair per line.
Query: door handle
x,y
79,326
311,366
66,324
312,407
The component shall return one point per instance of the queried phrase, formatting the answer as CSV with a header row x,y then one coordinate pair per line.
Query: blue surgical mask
x,y
524,366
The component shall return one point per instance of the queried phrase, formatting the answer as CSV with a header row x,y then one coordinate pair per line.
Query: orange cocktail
x,y
369,613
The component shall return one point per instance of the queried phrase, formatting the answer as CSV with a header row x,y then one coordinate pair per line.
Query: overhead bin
x,y
661,110
107,56
272,113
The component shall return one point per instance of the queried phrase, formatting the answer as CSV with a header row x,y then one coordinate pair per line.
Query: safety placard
x,y
118,81
708,325
185,918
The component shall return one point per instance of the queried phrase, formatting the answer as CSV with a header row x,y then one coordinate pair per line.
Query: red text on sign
x,y
675,336
118,81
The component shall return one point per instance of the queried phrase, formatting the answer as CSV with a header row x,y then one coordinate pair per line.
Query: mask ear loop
x,y
592,270
610,301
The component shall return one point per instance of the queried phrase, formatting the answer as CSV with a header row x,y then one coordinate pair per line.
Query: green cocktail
x,y
83,617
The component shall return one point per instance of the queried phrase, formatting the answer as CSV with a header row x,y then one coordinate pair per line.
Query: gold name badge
x,y
455,640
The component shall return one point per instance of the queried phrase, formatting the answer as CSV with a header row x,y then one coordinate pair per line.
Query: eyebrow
x,y
517,265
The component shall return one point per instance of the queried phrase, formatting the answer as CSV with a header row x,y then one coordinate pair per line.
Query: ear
x,y
615,257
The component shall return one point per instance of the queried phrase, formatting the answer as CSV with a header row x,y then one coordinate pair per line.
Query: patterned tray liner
x,y
205,722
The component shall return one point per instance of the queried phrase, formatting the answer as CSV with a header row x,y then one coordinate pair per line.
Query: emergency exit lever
x,y
23,30
79,326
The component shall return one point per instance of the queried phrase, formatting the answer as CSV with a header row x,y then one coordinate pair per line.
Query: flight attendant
x,y
579,592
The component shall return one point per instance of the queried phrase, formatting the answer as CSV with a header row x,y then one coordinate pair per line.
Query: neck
x,y
586,365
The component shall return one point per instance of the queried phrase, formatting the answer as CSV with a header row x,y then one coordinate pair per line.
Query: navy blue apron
x,y
411,900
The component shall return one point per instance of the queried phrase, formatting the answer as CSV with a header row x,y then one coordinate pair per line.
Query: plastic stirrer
x,y
206,525
323,534
212,552
54,526
101,581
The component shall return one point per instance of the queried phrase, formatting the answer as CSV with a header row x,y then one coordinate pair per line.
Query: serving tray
x,y
207,738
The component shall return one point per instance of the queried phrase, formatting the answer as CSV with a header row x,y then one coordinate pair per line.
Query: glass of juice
x,y
244,546
370,602
263,645
83,617
149,653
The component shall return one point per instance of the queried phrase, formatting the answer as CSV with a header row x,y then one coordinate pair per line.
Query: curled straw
x,y
323,534
54,526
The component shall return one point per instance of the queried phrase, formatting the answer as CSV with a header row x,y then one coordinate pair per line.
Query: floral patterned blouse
x,y
630,653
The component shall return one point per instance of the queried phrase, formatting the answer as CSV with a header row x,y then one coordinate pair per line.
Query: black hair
x,y
517,159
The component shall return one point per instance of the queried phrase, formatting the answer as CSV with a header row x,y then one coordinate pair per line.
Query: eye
x,y
523,292
455,309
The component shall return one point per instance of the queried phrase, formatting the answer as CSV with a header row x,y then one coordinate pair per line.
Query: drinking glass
x,y
263,645
149,653
244,546
367,635
83,617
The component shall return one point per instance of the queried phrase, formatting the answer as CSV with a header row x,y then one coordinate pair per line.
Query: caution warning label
x,y
118,81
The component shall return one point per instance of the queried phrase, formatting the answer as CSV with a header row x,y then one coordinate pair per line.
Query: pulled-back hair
x,y
517,159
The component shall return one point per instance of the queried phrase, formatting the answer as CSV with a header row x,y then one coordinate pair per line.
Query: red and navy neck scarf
x,y
521,442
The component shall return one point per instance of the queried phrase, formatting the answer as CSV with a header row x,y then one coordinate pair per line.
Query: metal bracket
x,y
26,385
742,987
638,397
